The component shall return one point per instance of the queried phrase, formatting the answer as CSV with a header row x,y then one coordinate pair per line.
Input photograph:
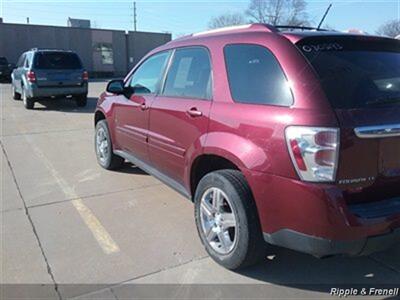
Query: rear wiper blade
x,y
384,100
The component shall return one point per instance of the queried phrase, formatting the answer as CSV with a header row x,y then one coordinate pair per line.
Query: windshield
x,y
357,72
57,61
3,61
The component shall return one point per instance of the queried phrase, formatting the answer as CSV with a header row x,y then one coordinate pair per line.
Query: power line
x,y
8,11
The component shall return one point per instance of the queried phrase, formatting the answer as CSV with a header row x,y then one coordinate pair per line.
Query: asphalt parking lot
x,y
65,221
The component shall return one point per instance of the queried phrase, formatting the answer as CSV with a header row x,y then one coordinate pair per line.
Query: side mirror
x,y
140,89
116,87
11,66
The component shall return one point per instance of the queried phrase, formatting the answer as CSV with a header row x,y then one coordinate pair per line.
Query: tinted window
x,y
356,73
255,76
57,60
146,78
21,60
189,75
28,59
3,61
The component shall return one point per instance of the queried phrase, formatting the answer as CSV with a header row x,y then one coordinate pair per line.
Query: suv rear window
x,y
356,72
57,61
255,76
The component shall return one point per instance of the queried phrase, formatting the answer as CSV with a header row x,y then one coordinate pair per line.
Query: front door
x,y
132,109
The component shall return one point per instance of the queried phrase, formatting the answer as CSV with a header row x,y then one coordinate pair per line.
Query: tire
x,y
81,100
106,158
16,96
29,103
248,246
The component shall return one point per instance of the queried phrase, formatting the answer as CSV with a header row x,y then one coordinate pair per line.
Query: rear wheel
x,y
104,150
29,103
227,220
16,96
81,100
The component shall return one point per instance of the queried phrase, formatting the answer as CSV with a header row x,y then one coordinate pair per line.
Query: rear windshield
x,y
356,72
57,61
3,61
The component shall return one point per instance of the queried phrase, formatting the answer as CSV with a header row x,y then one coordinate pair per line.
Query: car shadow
x,y
129,168
288,268
66,105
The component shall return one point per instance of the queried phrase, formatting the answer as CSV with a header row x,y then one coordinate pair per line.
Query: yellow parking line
x,y
107,244
99,232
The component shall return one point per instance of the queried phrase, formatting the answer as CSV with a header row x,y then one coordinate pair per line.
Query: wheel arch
x,y
225,149
206,163
98,116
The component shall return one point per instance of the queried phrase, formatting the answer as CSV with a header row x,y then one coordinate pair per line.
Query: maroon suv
x,y
285,137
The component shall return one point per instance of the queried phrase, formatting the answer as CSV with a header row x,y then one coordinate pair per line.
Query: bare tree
x,y
390,28
227,19
278,12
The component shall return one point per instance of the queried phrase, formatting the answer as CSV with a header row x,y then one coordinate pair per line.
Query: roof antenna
x,y
323,18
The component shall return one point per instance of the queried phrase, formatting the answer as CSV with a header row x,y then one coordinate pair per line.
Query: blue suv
x,y
46,73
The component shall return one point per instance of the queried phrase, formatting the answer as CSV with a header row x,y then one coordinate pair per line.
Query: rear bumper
x,y
36,92
321,247
316,219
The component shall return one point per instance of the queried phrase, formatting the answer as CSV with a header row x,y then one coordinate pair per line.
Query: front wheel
x,y
104,150
29,103
227,220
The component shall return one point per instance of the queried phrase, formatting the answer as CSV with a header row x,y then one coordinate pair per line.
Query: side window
x,y
146,78
255,76
27,60
189,75
21,60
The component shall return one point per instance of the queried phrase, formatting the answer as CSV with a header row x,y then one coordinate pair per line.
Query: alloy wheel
x,y
102,145
218,220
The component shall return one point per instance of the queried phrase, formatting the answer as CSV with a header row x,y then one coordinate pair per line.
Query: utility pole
x,y
134,15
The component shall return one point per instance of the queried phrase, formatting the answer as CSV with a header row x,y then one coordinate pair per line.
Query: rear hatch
x,y
57,69
361,79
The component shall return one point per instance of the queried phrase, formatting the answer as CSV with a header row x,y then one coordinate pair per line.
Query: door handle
x,y
143,106
194,112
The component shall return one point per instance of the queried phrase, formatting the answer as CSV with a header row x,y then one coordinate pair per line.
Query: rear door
x,y
57,68
179,115
361,78
18,72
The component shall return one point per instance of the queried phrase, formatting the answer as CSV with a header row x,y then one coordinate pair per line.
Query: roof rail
x,y
47,49
245,27
302,28
250,28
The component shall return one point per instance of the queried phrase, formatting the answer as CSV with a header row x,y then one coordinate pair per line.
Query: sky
x,y
183,17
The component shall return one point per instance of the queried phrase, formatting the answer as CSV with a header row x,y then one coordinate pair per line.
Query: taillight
x,y
31,76
85,76
314,152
